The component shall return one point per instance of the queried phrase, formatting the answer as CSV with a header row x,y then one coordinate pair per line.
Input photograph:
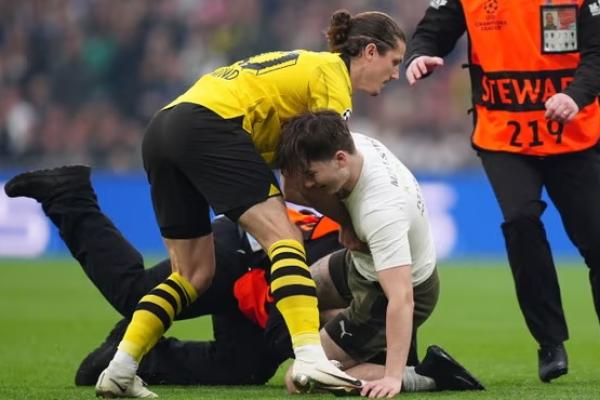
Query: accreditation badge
x,y
559,28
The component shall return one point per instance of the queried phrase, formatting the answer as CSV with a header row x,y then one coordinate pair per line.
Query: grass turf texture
x,y
51,317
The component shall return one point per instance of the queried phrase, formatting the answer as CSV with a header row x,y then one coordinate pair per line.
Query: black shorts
x,y
195,160
359,329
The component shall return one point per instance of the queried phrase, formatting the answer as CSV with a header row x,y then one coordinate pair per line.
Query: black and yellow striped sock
x,y
294,292
154,314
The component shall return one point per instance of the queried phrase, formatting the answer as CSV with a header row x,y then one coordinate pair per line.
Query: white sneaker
x,y
311,376
114,383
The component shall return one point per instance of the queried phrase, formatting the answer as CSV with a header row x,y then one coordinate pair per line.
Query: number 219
x,y
554,128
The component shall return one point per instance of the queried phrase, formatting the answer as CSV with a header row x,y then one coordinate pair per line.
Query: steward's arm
x,y
586,86
438,31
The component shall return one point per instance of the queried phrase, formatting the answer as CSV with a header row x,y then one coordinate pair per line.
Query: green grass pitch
x,y
51,317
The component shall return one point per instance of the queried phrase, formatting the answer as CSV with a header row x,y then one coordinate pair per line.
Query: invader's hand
x,y
385,387
349,240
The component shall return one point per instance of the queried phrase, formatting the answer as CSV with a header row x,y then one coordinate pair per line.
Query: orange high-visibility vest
x,y
252,293
252,290
512,76
312,226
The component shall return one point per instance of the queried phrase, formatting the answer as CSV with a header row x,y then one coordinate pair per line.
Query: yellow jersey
x,y
269,89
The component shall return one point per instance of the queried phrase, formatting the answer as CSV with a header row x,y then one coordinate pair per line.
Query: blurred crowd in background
x,y
79,79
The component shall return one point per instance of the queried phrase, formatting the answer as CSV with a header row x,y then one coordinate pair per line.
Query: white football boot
x,y
115,382
315,376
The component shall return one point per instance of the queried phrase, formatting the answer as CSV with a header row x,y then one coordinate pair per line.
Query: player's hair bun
x,y
338,31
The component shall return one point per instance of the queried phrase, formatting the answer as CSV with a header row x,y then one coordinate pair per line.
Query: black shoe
x,y
45,184
447,373
94,363
552,362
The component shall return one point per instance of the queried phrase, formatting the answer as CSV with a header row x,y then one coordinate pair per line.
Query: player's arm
x,y
386,227
327,205
397,285
295,192
435,37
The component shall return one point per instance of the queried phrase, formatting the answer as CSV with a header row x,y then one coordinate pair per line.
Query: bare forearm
x,y
325,203
293,194
398,335
328,205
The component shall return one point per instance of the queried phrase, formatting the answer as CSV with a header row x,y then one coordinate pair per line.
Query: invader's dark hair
x,y
349,35
313,136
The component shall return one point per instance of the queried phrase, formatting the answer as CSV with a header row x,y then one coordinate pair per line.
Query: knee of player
x,y
268,223
289,383
285,231
201,279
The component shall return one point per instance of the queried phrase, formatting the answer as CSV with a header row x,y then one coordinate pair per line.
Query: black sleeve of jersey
x,y
586,86
438,31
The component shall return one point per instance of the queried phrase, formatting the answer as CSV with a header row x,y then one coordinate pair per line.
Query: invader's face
x,y
329,176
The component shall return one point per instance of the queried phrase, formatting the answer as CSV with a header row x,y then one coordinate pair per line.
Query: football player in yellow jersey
x,y
211,147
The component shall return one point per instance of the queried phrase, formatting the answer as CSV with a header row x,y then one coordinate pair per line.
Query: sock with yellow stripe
x,y
295,295
153,316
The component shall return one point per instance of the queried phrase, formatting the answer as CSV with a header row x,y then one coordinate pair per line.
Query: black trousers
x,y
573,184
239,354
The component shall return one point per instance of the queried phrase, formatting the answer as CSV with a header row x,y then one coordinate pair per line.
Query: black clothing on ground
x,y
241,352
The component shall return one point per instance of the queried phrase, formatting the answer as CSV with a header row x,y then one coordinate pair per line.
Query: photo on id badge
x,y
559,28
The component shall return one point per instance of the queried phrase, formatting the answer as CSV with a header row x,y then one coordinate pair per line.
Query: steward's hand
x,y
561,108
421,66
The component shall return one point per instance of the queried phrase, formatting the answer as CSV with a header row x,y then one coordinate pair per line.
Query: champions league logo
x,y
490,21
490,6
346,115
